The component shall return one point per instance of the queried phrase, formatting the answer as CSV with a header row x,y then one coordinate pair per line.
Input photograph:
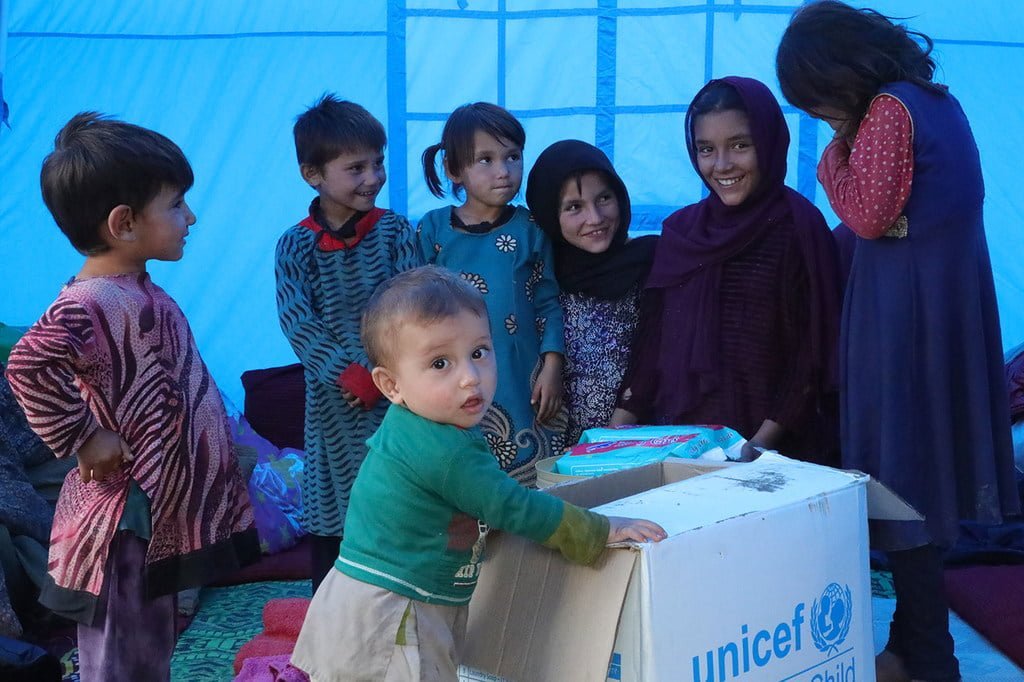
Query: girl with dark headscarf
x,y
579,200
741,310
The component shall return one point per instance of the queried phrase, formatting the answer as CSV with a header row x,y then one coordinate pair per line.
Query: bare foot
x,y
889,668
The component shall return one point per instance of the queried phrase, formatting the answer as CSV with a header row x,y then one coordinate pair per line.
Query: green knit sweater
x,y
422,504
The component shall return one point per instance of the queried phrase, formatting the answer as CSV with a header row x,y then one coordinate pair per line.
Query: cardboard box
x,y
764,576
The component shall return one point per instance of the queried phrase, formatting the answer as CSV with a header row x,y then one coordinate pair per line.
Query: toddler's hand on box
x,y
621,529
101,455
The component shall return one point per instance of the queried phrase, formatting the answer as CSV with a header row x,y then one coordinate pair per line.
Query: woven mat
x,y
228,617
881,585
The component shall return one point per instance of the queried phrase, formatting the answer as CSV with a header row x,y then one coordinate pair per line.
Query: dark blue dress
x,y
924,403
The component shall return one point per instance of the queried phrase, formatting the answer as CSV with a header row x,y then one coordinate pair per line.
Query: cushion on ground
x,y
282,621
228,617
275,404
262,646
991,600
270,669
277,498
291,564
284,617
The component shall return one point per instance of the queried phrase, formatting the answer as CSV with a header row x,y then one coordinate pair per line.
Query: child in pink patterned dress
x,y
111,372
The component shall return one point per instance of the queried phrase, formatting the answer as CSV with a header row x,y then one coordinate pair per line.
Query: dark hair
x,y
98,163
716,96
457,140
833,55
332,127
576,178
423,295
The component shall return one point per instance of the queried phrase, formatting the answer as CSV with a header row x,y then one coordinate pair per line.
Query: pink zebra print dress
x,y
116,352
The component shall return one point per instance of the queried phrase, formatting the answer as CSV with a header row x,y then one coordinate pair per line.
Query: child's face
x,y
726,156
349,183
589,213
444,372
493,177
160,228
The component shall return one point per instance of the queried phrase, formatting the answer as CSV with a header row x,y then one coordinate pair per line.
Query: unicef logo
x,y
830,618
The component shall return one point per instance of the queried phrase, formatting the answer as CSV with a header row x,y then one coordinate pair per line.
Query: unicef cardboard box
x,y
764,576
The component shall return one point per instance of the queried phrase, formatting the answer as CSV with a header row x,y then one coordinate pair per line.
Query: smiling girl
x,y
579,200
740,314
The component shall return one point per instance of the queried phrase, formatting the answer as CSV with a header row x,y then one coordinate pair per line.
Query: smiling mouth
x,y
595,233
729,182
368,194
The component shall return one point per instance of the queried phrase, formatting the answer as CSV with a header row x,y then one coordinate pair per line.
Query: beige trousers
x,y
356,632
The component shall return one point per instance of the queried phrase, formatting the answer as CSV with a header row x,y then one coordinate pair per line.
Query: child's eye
x,y
571,208
481,353
439,363
605,198
515,156
356,169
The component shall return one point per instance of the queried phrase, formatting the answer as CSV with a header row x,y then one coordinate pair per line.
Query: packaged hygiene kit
x,y
603,450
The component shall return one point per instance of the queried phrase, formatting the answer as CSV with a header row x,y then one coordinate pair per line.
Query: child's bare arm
x,y
621,529
622,417
101,455
547,390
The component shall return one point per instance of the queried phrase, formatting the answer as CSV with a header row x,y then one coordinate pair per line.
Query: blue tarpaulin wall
x,y
226,79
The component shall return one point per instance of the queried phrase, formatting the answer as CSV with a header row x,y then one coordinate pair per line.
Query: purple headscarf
x,y
697,240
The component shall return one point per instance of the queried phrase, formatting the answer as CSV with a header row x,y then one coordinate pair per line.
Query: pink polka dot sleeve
x,y
868,185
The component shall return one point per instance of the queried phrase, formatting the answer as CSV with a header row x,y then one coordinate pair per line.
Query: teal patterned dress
x,y
322,287
512,266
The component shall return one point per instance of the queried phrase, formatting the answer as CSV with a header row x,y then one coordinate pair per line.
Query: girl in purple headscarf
x,y
740,314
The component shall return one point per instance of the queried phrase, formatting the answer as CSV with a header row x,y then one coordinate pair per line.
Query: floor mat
x,y
70,664
991,599
881,584
979,660
228,617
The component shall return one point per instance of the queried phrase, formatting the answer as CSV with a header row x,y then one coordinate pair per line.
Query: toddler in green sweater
x,y
395,607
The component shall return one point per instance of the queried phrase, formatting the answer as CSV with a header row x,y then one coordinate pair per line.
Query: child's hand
x,y
767,438
622,417
101,455
350,398
621,529
547,390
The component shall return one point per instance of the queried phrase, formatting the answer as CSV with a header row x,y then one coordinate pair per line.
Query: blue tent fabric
x,y
225,80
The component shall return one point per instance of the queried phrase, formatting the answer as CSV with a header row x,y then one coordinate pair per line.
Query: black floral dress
x,y
598,335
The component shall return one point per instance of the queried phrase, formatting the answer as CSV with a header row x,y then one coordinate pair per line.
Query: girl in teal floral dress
x,y
499,249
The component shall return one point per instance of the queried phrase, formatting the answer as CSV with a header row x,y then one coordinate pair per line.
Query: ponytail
x,y
430,170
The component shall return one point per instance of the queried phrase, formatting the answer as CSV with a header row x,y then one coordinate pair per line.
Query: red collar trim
x,y
327,241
